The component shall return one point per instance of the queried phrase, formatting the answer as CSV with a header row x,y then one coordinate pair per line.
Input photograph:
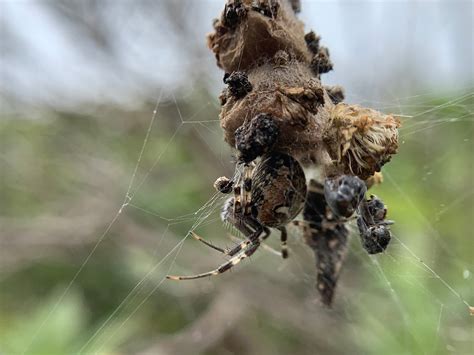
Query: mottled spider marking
x,y
278,190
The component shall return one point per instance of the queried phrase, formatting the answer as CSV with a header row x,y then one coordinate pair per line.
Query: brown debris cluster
x,y
328,236
264,42
290,95
250,31
274,102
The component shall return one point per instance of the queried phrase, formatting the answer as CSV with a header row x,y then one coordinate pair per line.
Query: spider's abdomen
x,y
278,189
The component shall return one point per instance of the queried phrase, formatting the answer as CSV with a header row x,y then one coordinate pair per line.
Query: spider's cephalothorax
x,y
269,194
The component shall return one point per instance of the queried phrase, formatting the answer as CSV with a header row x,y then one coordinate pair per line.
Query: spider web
x,y
407,269
379,266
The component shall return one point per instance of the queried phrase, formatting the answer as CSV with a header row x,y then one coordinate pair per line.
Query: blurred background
x,y
110,143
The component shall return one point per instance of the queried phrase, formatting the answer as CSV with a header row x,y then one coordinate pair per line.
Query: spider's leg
x,y
261,240
241,251
244,244
224,267
283,238
227,215
231,252
245,223
242,224
209,244
242,187
234,206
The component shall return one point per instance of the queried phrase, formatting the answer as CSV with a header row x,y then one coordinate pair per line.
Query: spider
x,y
269,194
272,192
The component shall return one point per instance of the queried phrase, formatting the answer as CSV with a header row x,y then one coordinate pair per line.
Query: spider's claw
x,y
344,194
195,236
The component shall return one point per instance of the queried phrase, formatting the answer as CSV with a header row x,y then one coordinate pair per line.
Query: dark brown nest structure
x,y
264,42
280,118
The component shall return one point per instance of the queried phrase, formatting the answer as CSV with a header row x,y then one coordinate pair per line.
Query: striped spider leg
x,y
236,212
250,227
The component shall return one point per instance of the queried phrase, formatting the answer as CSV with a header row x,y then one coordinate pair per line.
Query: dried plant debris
x,y
284,90
256,137
280,118
373,228
238,84
255,30
272,67
361,140
327,235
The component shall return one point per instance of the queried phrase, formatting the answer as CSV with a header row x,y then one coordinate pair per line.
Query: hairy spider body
x,y
271,194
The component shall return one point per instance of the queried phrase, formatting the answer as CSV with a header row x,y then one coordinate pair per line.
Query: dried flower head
x,y
361,140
